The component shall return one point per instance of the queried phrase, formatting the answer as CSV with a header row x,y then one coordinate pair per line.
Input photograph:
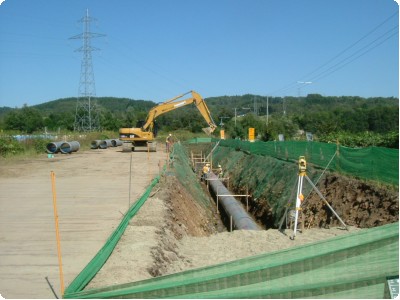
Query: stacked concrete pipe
x,y
69,147
232,207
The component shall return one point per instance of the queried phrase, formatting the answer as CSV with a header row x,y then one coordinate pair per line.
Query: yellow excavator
x,y
144,134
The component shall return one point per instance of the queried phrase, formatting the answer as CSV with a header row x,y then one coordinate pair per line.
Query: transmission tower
x,y
86,116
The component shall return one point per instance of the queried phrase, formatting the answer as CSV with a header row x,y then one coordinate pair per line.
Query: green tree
x,y
26,119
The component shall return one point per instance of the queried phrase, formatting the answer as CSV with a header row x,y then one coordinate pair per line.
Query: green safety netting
x,y
375,163
351,266
87,274
356,265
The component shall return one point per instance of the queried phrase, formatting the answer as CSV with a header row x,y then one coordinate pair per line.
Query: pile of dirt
x,y
184,217
187,216
272,185
358,203
149,245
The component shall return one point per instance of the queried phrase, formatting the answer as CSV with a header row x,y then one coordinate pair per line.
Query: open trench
x,y
272,185
179,227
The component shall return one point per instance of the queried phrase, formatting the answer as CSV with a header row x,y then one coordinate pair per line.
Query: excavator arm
x,y
177,102
144,136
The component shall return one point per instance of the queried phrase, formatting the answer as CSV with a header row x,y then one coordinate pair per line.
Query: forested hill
x,y
324,116
112,104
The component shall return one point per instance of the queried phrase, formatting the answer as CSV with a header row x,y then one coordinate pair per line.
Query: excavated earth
x,y
172,232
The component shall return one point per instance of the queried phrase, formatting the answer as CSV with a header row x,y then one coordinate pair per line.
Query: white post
x,y
247,198
217,200
298,203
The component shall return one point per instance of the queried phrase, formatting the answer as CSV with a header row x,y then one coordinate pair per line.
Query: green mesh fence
x,y
349,266
374,163
356,265
187,177
87,274
271,182
199,140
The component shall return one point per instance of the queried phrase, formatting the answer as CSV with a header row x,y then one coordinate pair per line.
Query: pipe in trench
x,y
232,207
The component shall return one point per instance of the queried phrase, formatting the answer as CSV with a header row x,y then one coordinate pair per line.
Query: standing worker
x,y
205,171
219,171
168,142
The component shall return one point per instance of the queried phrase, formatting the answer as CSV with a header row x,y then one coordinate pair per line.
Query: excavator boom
x,y
175,103
145,133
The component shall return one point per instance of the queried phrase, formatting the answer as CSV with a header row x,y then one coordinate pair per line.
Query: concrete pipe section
x,y
105,144
53,147
116,143
232,207
69,147
95,144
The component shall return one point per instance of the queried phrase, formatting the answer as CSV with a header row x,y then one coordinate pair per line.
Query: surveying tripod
x,y
300,196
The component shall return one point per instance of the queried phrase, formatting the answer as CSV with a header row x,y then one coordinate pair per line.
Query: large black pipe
x,y
232,207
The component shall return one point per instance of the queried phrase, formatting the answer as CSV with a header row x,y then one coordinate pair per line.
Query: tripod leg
x,y
326,202
287,207
299,189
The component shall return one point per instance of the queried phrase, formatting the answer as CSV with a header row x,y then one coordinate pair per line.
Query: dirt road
x,y
92,193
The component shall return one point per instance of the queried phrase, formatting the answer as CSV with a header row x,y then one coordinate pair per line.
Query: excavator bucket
x,y
207,130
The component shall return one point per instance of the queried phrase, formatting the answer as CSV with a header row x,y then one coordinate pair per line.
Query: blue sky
x,y
157,49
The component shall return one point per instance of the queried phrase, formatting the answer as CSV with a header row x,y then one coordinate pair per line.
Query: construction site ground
x,y
170,233
92,194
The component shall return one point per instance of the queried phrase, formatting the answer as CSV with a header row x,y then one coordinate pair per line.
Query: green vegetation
x,y
10,146
351,121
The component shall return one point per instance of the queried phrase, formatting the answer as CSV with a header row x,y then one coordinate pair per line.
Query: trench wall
x,y
272,183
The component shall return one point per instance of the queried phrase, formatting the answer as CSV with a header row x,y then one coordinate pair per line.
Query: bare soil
x,y
170,233
180,237
92,190
362,204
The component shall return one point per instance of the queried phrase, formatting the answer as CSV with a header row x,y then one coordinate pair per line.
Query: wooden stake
x,y
53,186
217,200
148,161
247,198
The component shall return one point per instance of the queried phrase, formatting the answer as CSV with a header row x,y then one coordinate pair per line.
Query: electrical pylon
x,y
86,116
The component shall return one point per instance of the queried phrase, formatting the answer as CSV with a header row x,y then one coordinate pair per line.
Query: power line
x,y
351,46
321,75
358,56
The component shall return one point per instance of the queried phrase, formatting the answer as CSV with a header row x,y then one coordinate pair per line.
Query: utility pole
x,y
235,116
284,106
86,117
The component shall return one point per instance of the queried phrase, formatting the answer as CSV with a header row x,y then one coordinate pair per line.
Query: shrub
x,y
10,146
